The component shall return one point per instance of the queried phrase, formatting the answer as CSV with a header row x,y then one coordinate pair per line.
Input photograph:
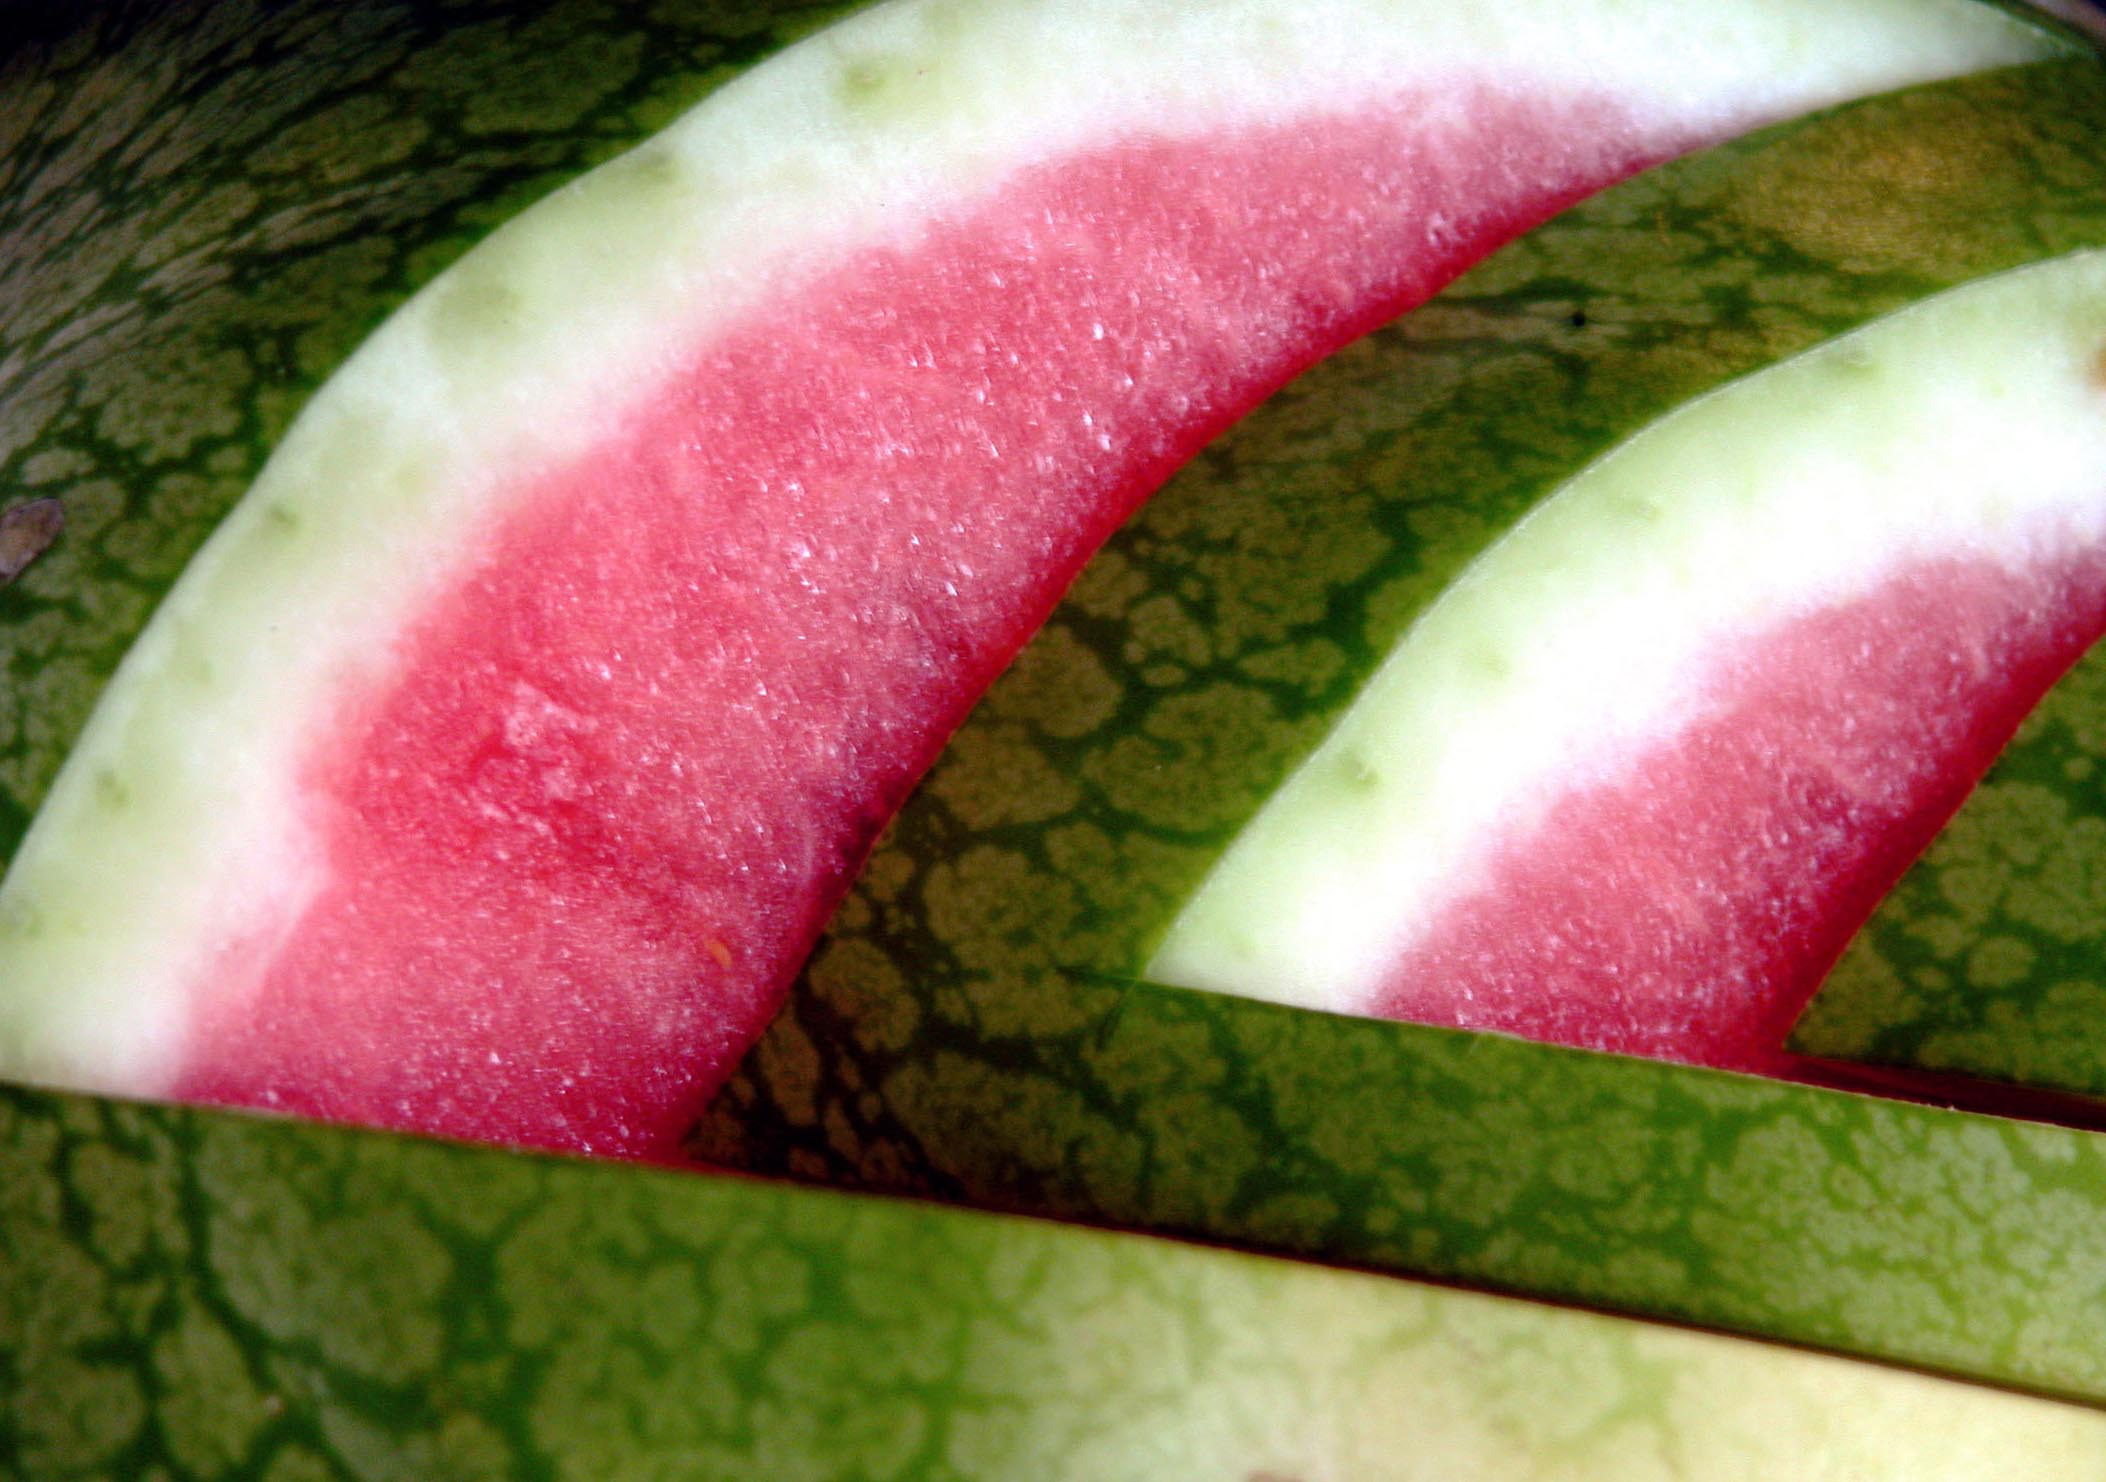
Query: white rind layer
x,y
1970,425
179,816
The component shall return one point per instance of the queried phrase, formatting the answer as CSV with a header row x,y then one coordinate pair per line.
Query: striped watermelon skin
x,y
208,1295
929,1049
1937,1239
207,206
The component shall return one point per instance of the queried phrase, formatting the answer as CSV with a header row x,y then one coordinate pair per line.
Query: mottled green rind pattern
x,y
208,205
1989,958
199,1295
174,317
1203,653
1934,1238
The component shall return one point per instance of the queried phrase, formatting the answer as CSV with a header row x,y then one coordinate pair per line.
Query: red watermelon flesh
x,y
650,735
1685,905
492,770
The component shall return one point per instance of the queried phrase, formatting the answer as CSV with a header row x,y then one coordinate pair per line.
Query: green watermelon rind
x,y
929,1049
206,1294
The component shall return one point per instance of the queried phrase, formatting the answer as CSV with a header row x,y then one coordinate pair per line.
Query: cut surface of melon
x,y
493,768
1661,747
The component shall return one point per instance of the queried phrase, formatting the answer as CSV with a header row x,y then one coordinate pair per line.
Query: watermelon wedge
x,y
929,1047
205,1295
1637,776
497,763
1331,523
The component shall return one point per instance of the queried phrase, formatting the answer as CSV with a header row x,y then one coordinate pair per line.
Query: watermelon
x,y
191,1293
197,1294
494,768
933,1048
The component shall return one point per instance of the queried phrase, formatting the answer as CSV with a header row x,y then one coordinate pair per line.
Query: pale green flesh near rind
x,y
216,1295
1972,425
521,352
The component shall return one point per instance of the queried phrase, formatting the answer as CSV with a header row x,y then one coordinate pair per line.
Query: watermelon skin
x,y
206,1295
160,795
1935,1239
928,1050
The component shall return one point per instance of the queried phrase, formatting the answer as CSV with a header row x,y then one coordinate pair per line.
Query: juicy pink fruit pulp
x,y
1686,905
580,843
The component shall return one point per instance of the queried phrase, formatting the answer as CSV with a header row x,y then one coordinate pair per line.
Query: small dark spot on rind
x,y
1578,319
281,518
26,531
110,790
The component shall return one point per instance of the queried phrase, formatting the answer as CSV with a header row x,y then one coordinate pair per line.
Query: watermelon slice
x,y
497,763
930,1048
1637,776
1225,633
202,1295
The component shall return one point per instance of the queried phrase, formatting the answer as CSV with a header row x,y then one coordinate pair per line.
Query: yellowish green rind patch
x,y
195,1294
1201,657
